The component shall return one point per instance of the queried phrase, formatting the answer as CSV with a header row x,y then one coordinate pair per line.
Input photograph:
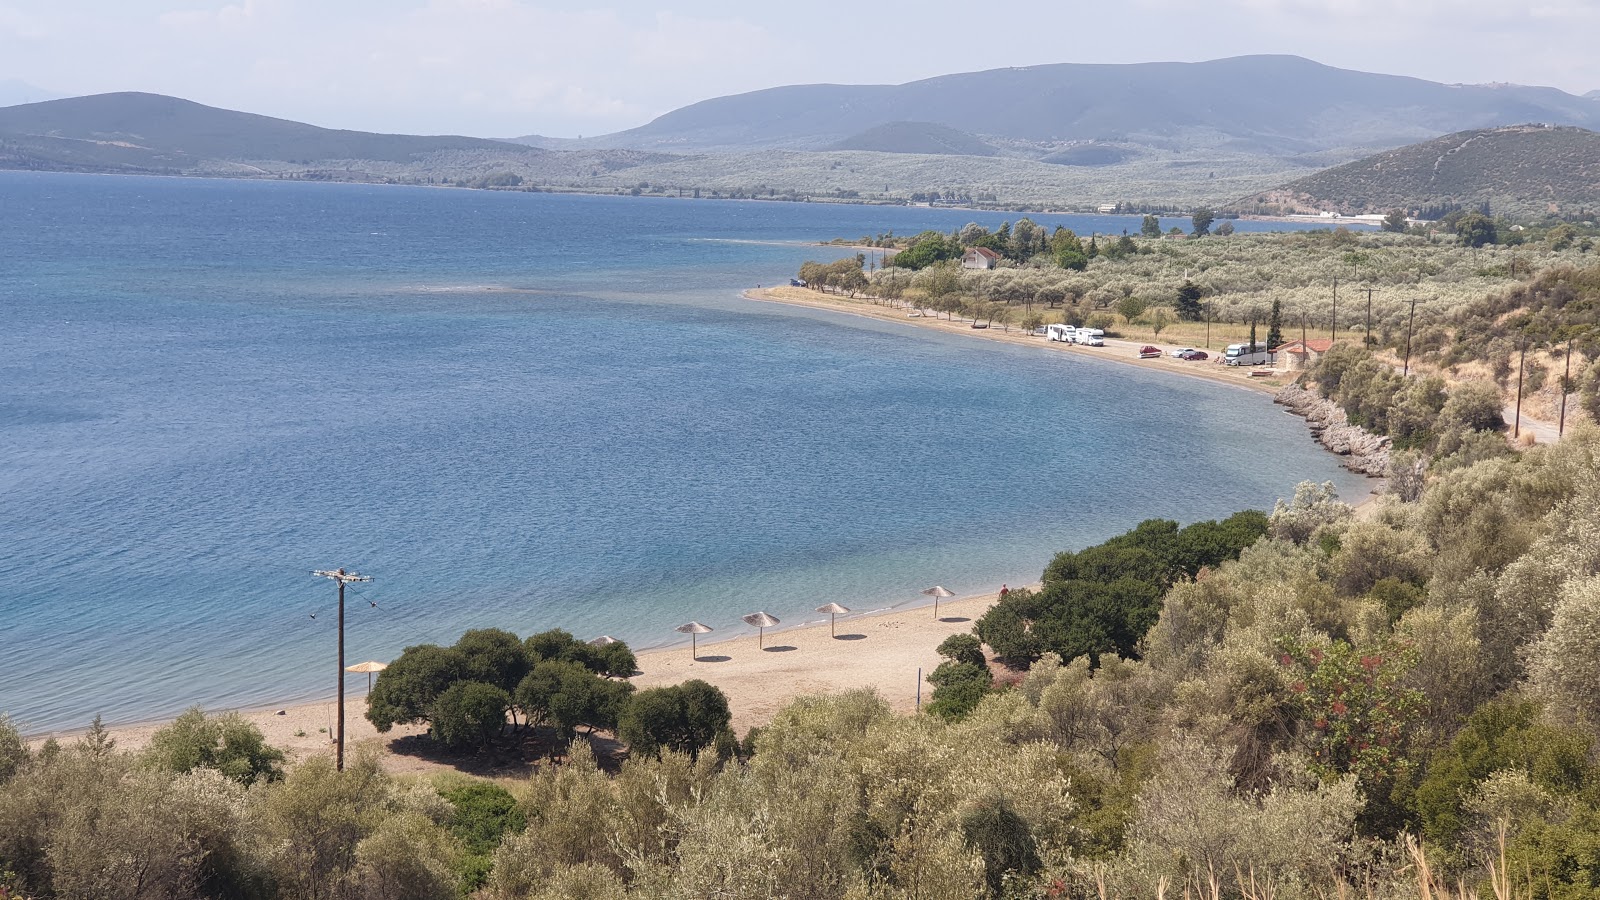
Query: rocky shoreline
x,y
1360,450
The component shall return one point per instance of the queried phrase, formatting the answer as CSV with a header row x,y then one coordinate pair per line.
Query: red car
x,y
1193,354
1148,352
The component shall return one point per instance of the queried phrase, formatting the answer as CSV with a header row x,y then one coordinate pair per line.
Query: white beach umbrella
x,y
604,640
762,621
692,629
832,609
936,592
368,667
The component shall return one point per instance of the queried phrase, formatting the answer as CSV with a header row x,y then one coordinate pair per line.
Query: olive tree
x,y
683,717
226,743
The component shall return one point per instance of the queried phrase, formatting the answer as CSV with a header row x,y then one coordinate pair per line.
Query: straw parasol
x,y
936,592
832,609
762,621
604,640
692,629
368,667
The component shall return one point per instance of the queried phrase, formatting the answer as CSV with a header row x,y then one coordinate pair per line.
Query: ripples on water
x,y
516,410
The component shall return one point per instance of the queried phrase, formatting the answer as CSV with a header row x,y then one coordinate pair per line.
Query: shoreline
x,y
880,648
1116,350
800,659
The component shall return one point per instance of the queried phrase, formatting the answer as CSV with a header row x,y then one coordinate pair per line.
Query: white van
x,y
1062,333
1090,337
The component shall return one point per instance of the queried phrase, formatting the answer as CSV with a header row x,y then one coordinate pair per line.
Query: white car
x,y
1178,353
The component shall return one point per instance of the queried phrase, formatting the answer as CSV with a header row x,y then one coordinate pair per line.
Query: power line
x,y
341,578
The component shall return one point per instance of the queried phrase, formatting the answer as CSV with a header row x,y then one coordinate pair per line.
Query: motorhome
x,y
1062,333
1257,354
1090,337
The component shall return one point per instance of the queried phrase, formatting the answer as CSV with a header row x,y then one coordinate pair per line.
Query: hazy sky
x,y
509,67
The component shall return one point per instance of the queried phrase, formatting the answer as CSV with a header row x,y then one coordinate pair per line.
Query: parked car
x,y
1192,353
1149,352
1178,354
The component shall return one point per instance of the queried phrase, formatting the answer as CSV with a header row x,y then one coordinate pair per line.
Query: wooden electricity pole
x,y
1368,339
1411,321
1333,327
341,578
1522,359
1566,385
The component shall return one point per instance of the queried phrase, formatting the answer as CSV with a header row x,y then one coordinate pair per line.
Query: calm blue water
x,y
515,410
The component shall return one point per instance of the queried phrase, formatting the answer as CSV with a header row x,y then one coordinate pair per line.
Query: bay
x,y
517,410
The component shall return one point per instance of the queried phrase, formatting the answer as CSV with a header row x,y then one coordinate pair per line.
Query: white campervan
x,y
1255,354
1090,337
1063,333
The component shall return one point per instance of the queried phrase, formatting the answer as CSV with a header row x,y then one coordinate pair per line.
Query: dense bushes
x,y
1104,598
466,691
1419,413
226,743
682,718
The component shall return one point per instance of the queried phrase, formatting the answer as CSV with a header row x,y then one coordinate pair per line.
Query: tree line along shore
x,y
1467,298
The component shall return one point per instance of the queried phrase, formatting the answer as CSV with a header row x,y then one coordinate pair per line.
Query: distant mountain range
x,y
1275,106
13,92
1527,170
1153,135
155,134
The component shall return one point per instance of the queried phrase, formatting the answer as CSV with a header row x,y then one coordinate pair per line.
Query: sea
x,y
525,411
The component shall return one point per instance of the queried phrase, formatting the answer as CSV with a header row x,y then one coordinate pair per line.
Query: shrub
x,y
958,689
1003,839
962,648
482,815
226,743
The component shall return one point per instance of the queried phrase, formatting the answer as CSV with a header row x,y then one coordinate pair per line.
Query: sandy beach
x,y
883,650
1115,350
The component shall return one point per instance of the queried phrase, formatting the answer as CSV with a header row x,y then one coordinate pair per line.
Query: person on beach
x,y
1004,591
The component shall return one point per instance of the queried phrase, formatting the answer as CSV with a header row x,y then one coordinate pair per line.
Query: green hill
x,y
1530,170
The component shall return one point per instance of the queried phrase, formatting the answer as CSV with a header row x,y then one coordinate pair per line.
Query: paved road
x,y
1543,432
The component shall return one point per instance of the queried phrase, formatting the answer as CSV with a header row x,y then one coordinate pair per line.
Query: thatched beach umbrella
x,y
604,640
936,592
762,622
832,609
368,667
692,629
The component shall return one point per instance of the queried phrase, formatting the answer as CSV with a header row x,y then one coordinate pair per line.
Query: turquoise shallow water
x,y
515,410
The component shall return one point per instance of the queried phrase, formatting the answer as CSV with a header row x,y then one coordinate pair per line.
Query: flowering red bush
x,y
1359,711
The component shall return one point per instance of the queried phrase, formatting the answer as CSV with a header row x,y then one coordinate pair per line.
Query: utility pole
x,y
1410,322
1208,326
341,578
1566,385
1522,358
1368,339
1333,328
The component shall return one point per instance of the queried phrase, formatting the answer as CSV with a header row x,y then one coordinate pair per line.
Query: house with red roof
x,y
979,258
1303,354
